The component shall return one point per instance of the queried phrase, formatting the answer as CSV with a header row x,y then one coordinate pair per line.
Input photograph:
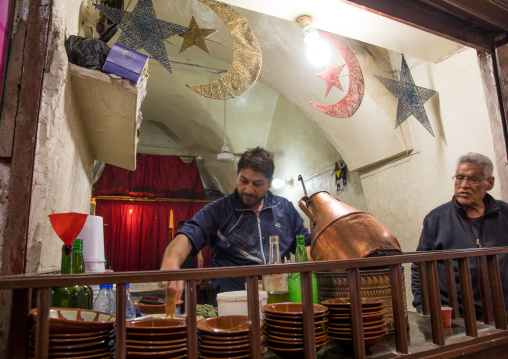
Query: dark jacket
x,y
240,236
447,227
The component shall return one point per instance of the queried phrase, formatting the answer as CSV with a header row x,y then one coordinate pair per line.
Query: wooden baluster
x,y
483,280
191,301
497,292
424,292
42,324
436,319
18,333
254,318
466,289
452,287
121,317
355,298
399,314
309,330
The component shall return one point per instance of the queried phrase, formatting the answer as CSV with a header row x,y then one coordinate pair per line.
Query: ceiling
x,y
177,121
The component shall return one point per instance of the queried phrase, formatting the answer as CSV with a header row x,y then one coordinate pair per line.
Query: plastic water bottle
x,y
129,305
106,300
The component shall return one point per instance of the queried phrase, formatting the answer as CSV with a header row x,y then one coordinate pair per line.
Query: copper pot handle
x,y
306,210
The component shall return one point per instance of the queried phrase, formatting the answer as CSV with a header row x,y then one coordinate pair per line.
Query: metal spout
x,y
303,184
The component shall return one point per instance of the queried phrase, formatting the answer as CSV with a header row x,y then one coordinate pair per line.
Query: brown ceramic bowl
x,y
289,339
222,338
299,329
293,324
233,353
175,354
246,356
72,320
156,342
228,325
367,317
339,303
292,352
150,309
155,348
157,337
317,316
290,309
348,341
155,325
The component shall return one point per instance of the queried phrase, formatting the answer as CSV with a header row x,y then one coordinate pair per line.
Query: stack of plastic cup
x,y
93,247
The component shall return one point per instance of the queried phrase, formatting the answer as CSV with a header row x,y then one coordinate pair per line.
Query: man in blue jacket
x,y
238,226
472,219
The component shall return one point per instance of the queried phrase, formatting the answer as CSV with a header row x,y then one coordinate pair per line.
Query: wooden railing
x,y
490,285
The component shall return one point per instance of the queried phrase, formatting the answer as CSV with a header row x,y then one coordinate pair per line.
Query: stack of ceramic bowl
x,y
374,320
156,338
224,337
151,309
78,333
284,328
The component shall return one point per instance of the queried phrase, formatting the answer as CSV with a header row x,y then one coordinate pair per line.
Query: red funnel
x,y
68,225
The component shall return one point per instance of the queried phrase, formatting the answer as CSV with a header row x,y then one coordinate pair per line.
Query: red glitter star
x,y
331,76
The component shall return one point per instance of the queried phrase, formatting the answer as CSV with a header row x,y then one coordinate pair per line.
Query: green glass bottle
x,y
294,284
63,296
86,302
71,296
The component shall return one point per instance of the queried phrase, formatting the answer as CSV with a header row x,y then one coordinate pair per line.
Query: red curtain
x,y
136,233
155,177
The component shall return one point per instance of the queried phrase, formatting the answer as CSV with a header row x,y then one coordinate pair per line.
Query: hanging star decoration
x,y
142,29
410,98
331,76
195,36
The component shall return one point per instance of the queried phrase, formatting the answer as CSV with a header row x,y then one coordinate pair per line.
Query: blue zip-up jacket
x,y
447,227
240,236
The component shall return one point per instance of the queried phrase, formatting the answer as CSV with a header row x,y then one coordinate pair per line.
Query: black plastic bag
x,y
89,53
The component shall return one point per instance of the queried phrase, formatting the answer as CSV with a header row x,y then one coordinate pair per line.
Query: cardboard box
x,y
126,63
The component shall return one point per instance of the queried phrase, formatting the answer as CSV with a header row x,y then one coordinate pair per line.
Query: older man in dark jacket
x,y
472,219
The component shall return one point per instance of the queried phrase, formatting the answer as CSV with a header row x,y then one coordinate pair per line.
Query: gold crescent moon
x,y
246,64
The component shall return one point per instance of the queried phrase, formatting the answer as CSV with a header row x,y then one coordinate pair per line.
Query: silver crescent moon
x,y
246,64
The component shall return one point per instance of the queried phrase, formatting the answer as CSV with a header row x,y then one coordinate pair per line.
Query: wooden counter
x,y
426,336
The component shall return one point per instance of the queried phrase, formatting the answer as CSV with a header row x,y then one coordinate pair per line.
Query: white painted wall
x,y
63,165
401,193
301,148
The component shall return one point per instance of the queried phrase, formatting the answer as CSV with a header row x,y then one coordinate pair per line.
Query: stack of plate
x,y
78,334
224,337
156,338
374,320
284,328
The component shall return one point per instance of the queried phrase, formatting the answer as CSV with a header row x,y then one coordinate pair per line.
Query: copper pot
x,y
340,231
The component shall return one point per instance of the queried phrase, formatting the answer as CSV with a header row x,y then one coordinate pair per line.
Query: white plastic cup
x,y
93,239
95,266
235,303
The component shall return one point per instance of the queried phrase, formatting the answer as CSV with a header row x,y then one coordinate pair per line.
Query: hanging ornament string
x,y
224,122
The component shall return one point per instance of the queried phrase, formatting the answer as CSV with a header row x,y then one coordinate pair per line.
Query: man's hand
x,y
174,256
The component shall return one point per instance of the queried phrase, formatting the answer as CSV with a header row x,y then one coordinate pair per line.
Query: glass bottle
x,y
79,267
275,285
294,283
106,300
65,297
129,305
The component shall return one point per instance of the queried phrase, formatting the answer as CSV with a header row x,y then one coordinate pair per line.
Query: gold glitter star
x,y
195,36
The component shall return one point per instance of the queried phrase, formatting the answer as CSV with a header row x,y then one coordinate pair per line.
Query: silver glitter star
x,y
142,29
410,98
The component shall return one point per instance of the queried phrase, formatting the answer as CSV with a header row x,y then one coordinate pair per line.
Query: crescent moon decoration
x,y
348,105
246,64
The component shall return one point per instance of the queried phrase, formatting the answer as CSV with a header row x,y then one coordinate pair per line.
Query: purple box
x,y
126,63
